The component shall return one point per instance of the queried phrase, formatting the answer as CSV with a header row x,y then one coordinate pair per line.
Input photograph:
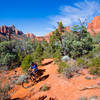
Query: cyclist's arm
x,y
29,68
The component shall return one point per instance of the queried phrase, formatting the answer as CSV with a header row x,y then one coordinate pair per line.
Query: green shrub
x,y
82,62
20,58
95,66
4,92
91,60
94,98
57,56
62,66
71,71
95,62
76,45
45,46
97,38
45,87
7,53
83,98
26,62
95,71
37,55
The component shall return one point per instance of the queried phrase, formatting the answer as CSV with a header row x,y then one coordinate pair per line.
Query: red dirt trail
x,y
60,87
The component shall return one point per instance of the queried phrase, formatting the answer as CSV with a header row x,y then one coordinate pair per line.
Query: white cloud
x,y
70,15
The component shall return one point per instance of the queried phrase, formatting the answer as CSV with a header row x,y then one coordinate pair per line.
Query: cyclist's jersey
x,y
34,67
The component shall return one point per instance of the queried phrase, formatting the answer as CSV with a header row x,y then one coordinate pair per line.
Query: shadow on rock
x,y
45,98
43,78
40,72
42,98
16,99
47,63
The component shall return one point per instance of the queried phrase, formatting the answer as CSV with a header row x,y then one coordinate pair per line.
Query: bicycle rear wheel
x,y
27,83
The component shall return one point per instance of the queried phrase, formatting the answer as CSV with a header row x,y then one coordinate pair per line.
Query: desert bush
x,y
76,47
4,92
45,87
45,47
26,62
94,70
82,62
57,55
69,68
93,98
7,53
37,55
71,71
62,66
97,38
20,57
54,47
13,52
91,61
95,62
83,98
24,47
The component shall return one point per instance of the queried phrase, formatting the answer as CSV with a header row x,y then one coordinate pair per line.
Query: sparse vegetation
x,y
26,62
4,92
91,61
62,66
83,98
45,87
71,71
93,98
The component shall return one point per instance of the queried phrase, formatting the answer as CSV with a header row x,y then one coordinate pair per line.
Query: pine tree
x,y
38,53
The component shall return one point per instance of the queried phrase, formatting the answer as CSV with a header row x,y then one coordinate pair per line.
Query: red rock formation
x,y
47,36
6,29
16,31
40,38
94,26
30,35
67,28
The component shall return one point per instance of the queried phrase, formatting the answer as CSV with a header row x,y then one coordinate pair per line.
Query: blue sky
x,y
40,16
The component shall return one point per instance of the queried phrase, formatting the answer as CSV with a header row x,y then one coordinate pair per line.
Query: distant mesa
x,y
94,26
4,30
67,28
30,35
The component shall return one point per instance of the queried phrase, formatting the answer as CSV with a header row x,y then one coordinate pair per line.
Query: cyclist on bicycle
x,y
33,67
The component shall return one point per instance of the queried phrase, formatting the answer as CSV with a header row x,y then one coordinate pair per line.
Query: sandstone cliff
x,y
4,30
94,26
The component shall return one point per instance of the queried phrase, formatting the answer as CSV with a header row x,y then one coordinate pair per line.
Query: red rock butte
x,y
45,37
30,35
94,26
39,38
67,28
6,29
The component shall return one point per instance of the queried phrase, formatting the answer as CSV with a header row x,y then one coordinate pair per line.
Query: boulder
x,y
65,58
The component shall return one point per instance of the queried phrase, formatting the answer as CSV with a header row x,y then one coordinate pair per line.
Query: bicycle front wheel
x,y
27,83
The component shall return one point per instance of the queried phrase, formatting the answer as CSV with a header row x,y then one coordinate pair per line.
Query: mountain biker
x,y
33,67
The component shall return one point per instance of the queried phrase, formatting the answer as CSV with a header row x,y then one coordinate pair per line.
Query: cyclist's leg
x,y
33,74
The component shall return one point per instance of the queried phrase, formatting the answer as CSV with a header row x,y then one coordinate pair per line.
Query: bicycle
x,y
29,80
